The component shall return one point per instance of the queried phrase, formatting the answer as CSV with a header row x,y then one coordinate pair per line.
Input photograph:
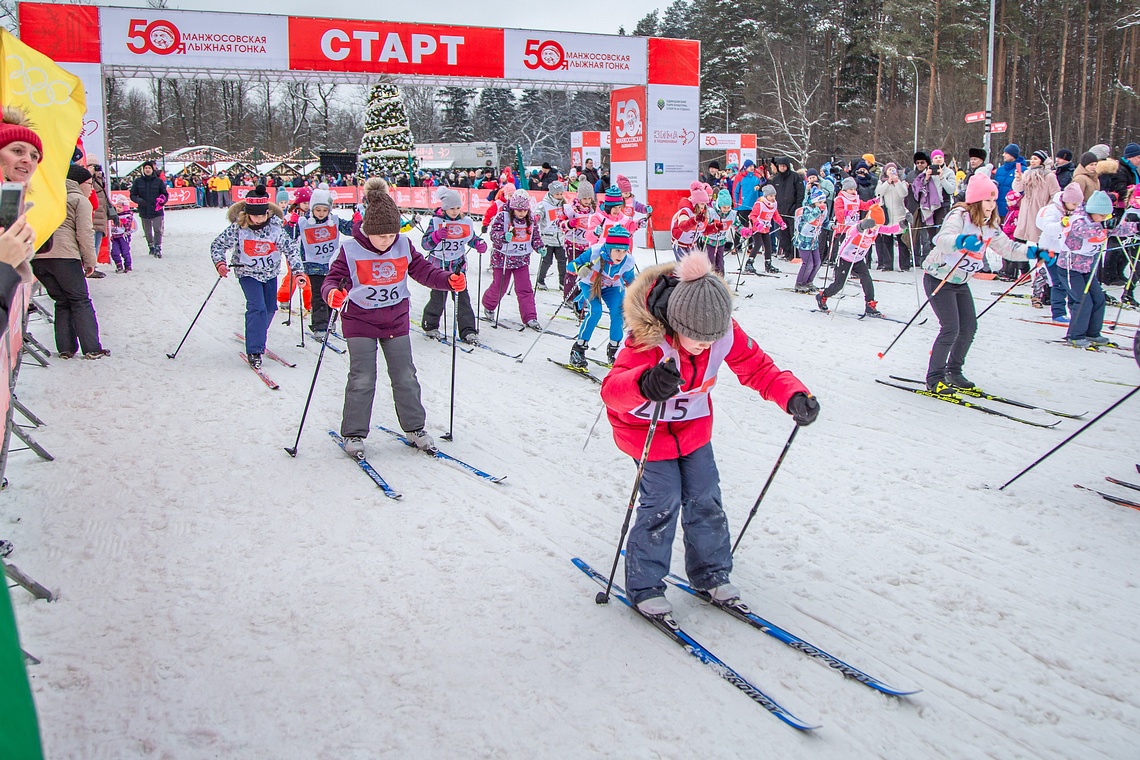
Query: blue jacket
x,y
596,259
1003,176
746,191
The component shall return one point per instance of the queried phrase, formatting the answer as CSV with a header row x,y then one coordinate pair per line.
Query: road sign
x,y
998,126
975,117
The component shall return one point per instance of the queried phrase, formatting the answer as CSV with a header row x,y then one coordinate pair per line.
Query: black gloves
x,y
660,382
803,408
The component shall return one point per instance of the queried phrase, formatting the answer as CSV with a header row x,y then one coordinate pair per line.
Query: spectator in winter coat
x,y
945,180
865,181
1037,185
1004,174
1086,175
589,173
746,190
1119,184
61,270
104,212
892,193
1063,163
789,197
149,193
223,186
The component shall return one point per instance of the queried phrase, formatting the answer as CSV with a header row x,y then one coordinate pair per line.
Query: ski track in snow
x,y
220,599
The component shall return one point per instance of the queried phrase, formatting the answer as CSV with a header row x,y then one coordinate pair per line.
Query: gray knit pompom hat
x,y
700,306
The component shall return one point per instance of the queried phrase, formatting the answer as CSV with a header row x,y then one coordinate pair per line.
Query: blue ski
x,y
444,340
437,454
669,627
369,470
740,611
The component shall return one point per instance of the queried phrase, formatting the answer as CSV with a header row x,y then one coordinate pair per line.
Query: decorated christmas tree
x,y
387,140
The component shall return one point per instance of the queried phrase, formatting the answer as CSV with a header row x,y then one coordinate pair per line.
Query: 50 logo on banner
x,y
629,123
547,54
159,36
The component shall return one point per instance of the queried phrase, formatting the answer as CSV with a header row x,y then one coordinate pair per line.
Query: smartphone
x,y
11,203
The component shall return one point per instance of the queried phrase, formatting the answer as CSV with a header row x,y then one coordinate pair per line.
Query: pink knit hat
x,y
624,184
698,195
1073,194
937,152
981,189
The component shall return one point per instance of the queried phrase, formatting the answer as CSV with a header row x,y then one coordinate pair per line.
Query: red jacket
x,y
621,394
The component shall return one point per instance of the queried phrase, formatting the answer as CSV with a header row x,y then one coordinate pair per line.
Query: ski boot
x,y
422,440
354,446
434,334
871,311
1128,300
488,314
119,269
471,339
540,286
158,251
578,354
1099,340
534,325
97,354
725,593
821,301
255,361
769,267
655,606
938,385
1078,342
749,268
611,351
958,380
320,335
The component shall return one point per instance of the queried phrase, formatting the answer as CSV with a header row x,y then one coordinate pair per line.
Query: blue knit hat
x,y
749,163
1099,203
1012,149
1131,150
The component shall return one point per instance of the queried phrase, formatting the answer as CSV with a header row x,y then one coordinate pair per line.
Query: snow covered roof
x,y
310,167
437,165
123,168
203,149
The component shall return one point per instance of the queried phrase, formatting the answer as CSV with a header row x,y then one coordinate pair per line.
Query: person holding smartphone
x,y
63,268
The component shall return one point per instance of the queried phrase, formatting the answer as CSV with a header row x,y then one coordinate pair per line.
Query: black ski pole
x,y
1132,278
1086,426
603,597
764,490
924,303
187,335
1020,280
454,346
292,451
289,314
652,237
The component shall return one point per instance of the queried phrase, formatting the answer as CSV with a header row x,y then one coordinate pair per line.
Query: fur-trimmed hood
x,y
236,213
1107,166
646,329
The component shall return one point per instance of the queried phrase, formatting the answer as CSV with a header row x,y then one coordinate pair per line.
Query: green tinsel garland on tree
x,y
387,140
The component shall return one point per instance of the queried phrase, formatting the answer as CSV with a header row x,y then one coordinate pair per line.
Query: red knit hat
x,y
15,128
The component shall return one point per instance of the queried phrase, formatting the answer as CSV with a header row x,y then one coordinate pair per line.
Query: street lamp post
x,y
989,87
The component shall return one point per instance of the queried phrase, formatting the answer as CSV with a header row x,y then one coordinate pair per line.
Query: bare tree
x,y
793,112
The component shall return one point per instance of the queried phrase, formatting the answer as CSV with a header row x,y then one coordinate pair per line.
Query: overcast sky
x,y
597,16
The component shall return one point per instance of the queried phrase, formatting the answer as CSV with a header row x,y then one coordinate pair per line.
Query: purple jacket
x,y
387,321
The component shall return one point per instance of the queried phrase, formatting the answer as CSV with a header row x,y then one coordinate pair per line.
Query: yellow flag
x,y
54,102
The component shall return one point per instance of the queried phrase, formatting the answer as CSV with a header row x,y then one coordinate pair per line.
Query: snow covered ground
x,y
220,599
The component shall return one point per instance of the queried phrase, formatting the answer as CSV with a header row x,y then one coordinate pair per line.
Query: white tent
x,y
123,168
